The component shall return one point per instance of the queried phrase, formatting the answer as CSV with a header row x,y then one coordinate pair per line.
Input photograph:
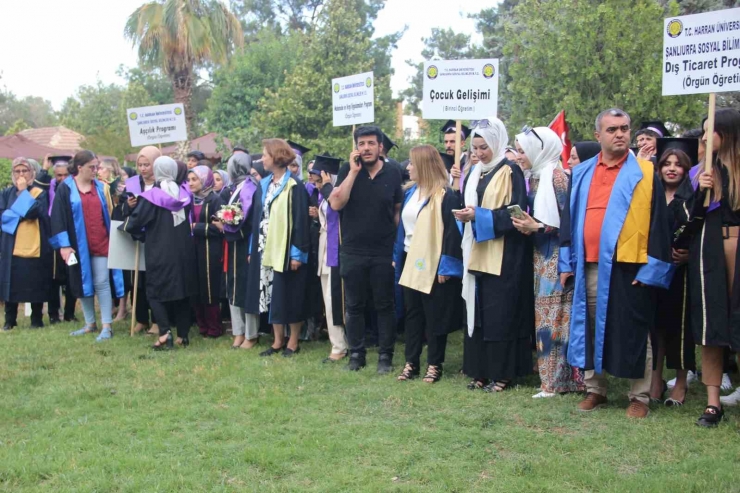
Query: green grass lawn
x,y
76,415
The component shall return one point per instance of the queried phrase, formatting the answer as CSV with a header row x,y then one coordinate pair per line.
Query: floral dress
x,y
266,273
552,304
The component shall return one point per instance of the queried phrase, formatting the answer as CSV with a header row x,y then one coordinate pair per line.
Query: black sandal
x,y
270,351
409,372
476,384
497,386
434,373
711,417
166,345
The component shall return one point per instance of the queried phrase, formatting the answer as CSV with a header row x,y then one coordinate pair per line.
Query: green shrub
x,y
5,172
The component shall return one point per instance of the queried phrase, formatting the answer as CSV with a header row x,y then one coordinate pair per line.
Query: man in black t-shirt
x,y
368,195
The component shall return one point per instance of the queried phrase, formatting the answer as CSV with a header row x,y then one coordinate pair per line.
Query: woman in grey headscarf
x,y
244,326
171,280
498,275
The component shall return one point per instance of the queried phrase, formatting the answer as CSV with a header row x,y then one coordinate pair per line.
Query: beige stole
x,y
487,256
28,235
422,259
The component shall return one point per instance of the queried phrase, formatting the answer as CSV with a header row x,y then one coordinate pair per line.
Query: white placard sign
x,y
122,250
701,53
156,124
353,99
460,89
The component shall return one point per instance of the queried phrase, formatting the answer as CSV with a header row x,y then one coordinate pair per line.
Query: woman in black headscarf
x,y
583,151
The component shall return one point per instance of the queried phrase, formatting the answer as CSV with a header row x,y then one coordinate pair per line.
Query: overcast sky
x,y
51,47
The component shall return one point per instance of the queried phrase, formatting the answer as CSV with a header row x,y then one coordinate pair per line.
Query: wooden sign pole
x,y
710,142
458,153
136,288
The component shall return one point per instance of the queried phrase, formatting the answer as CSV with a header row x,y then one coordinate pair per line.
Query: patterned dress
x,y
552,304
266,273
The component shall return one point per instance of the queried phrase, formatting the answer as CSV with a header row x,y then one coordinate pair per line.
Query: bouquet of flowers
x,y
231,214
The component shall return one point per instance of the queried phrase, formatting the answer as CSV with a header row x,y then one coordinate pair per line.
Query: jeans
x,y
102,291
358,273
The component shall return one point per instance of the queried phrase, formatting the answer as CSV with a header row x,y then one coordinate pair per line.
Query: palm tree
x,y
182,35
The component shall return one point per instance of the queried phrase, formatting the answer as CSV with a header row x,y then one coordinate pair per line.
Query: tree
x,y
99,113
240,85
340,44
574,56
29,112
282,16
159,88
179,36
490,23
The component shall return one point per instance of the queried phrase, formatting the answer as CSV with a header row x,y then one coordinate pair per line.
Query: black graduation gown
x,y
26,280
209,252
314,297
446,299
289,287
673,315
170,254
500,347
715,316
238,251
631,310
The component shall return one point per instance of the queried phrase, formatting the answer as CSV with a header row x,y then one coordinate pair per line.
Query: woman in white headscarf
x,y
497,278
539,150
160,216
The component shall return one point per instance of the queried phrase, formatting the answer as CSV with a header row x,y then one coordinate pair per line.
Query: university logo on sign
x,y
178,111
133,116
336,87
488,71
432,72
675,28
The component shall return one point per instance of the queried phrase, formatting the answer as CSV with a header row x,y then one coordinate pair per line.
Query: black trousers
x,y
142,302
359,272
70,302
171,314
420,310
11,314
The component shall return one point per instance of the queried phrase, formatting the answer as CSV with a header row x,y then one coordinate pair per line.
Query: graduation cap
x,y
654,126
451,126
449,161
298,148
388,144
689,146
60,160
327,163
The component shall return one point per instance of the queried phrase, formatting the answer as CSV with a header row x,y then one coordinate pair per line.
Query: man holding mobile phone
x,y
368,195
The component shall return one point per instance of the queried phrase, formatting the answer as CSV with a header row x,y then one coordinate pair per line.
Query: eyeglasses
x,y
21,172
526,130
480,123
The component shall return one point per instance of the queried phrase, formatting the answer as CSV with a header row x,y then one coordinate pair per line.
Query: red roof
x,y
207,144
56,137
13,146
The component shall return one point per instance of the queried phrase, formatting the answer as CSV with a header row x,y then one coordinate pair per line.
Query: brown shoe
x,y
592,402
637,409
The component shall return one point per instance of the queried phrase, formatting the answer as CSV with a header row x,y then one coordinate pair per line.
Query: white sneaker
x,y
543,395
732,399
726,383
690,377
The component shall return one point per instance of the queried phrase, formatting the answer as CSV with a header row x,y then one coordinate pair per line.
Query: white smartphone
x,y
515,211
72,259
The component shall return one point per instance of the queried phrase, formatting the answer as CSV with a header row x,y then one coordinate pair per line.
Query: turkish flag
x,y
560,127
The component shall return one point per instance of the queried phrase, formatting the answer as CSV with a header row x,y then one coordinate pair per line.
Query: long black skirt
x,y
30,280
508,357
673,323
289,296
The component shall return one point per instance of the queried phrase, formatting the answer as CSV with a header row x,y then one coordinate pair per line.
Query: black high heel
x,y
167,345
